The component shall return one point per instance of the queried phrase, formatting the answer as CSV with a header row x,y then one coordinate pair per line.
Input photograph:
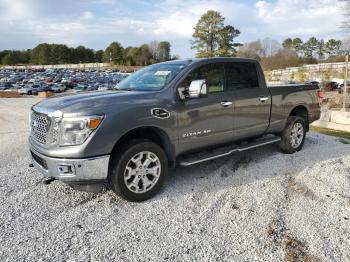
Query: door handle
x,y
226,103
263,98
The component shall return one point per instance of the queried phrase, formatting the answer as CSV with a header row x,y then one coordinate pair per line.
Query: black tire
x,y
123,158
287,144
30,93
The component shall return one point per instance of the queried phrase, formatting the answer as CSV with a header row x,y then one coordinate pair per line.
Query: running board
x,y
261,142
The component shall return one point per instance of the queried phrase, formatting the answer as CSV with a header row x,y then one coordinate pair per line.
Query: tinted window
x,y
241,75
213,74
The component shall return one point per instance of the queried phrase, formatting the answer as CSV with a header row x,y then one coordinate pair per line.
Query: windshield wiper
x,y
124,89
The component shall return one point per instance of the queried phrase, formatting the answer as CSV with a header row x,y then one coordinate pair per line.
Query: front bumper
x,y
71,170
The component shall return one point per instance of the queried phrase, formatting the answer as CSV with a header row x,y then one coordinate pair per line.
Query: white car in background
x,y
57,88
26,90
104,87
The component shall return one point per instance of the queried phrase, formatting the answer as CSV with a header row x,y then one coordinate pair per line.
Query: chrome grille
x,y
39,125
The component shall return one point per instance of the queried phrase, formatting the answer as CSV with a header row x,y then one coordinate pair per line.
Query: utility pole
x,y
345,82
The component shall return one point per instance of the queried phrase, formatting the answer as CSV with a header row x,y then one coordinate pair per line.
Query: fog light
x,y
66,169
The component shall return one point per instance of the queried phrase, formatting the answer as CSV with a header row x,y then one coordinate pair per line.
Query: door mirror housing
x,y
197,89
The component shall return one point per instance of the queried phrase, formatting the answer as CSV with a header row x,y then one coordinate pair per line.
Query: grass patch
x,y
332,132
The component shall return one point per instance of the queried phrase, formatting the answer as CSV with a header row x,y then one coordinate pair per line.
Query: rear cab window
x,y
241,75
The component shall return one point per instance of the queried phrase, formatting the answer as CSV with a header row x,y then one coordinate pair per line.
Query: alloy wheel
x,y
297,135
142,172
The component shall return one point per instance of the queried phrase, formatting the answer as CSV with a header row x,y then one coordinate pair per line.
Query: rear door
x,y
206,121
251,99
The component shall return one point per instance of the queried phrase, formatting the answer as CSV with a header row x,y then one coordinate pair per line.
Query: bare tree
x,y
345,47
346,13
259,49
270,47
251,50
153,48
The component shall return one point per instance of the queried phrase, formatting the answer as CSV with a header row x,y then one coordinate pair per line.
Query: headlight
x,y
74,131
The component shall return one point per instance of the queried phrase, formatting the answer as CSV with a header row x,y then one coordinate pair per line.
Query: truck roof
x,y
210,59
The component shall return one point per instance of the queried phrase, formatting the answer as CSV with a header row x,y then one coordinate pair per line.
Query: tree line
x,y
212,37
115,53
294,51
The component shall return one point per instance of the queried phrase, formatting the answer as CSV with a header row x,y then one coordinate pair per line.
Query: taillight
x,y
320,94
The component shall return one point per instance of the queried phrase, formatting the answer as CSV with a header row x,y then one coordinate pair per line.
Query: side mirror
x,y
197,88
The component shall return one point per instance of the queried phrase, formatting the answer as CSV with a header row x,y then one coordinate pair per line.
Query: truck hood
x,y
88,103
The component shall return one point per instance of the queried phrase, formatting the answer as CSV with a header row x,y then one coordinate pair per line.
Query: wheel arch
x,y
301,111
152,133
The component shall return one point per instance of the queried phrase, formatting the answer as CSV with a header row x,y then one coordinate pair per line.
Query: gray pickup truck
x,y
173,113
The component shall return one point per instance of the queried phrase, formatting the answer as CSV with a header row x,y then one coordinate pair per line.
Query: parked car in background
x,y
341,88
91,79
58,88
5,86
80,88
26,90
331,86
104,87
37,88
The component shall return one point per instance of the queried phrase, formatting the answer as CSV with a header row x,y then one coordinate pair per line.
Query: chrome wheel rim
x,y
297,135
142,172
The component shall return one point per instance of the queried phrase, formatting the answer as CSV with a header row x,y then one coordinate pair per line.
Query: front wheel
x,y
138,170
293,135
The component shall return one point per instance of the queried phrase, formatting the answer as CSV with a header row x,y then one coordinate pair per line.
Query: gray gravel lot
x,y
258,206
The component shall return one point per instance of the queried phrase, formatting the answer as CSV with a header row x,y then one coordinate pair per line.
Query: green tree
x,y
310,47
114,53
41,54
99,56
15,57
2,54
81,54
333,47
288,43
212,37
11,58
295,44
25,56
321,49
164,51
130,55
59,54
226,45
298,46
175,57
145,55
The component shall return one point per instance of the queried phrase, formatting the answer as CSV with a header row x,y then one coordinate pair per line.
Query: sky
x,y
96,23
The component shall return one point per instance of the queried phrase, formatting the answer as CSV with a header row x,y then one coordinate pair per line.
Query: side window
x,y
213,74
241,75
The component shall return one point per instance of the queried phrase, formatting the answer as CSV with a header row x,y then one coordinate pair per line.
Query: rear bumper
x,y
315,116
71,170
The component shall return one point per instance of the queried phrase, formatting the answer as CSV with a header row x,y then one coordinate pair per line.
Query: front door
x,y
206,121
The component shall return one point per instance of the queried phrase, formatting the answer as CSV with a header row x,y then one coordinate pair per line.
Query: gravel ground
x,y
258,206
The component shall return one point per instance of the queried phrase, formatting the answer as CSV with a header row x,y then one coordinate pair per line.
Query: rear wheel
x,y
139,170
293,136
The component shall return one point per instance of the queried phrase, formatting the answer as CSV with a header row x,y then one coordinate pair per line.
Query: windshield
x,y
151,78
